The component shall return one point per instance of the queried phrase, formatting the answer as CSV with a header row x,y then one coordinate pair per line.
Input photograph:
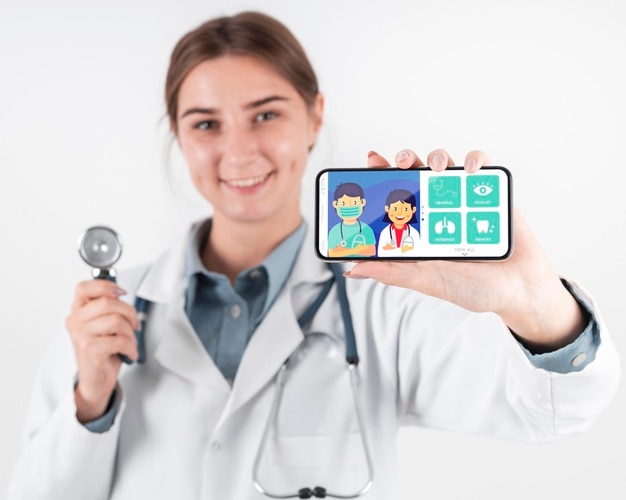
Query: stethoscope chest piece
x,y
100,247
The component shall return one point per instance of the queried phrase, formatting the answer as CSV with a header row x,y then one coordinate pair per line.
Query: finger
x,y
375,160
89,290
385,272
103,306
407,158
439,160
100,349
474,160
105,326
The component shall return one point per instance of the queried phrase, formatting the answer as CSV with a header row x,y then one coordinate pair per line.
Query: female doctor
x,y
245,109
400,237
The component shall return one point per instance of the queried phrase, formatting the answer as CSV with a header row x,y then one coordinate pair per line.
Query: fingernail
x,y
402,155
350,274
371,153
470,166
119,291
437,161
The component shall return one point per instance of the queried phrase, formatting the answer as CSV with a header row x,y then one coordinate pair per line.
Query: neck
x,y
398,226
235,246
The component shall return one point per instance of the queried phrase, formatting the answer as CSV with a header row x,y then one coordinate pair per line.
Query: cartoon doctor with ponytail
x,y
399,237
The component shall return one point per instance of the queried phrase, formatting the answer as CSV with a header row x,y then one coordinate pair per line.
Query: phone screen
x,y
389,213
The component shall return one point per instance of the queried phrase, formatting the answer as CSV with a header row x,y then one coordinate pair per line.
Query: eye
x,y
483,190
207,125
267,115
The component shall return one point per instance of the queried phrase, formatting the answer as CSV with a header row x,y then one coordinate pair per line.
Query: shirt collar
x,y
277,264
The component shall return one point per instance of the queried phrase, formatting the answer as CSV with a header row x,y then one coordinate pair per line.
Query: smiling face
x,y
400,213
245,133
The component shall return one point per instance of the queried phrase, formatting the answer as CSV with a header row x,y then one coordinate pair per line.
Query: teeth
x,y
247,182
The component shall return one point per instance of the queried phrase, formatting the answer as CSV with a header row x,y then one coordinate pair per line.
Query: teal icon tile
x,y
444,191
444,228
483,228
483,191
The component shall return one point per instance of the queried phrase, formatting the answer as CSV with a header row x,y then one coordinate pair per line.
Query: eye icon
x,y
483,190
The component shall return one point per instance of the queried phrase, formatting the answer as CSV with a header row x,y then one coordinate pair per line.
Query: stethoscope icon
x,y
359,239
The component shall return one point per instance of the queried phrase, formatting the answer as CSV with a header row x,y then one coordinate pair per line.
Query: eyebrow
x,y
261,102
251,105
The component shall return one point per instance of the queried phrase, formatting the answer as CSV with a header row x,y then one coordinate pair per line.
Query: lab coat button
x,y
579,359
235,311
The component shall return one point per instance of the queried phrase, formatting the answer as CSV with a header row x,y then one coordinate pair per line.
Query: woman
x,y
244,106
399,237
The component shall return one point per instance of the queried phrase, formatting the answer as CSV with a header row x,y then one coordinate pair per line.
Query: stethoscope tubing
x,y
404,238
352,360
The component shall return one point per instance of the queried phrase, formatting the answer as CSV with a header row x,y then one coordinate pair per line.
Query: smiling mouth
x,y
247,182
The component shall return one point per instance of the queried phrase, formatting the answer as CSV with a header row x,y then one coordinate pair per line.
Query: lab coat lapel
x,y
181,351
274,340
178,347
279,334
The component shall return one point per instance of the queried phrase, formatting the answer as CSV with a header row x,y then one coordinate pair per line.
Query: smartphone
x,y
413,214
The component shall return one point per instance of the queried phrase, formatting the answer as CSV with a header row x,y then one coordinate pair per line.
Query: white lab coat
x,y
388,237
183,432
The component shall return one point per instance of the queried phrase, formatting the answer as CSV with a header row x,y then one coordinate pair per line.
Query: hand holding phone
x,y
413,214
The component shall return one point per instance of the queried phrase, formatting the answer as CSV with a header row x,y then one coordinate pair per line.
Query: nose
x,y
239,147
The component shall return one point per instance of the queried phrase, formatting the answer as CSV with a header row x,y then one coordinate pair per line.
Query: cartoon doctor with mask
x,y
350,237
245,390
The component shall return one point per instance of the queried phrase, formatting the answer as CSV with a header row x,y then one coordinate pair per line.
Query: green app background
x,y
483,191
444,228
483,228
444,191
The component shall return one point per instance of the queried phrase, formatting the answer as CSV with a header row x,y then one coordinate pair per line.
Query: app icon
x,y
444,191
483,191
444,228
483,228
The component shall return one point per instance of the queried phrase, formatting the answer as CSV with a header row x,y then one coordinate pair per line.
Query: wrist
x,y
551,320
91,407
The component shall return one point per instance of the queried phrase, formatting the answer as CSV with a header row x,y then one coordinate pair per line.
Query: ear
x,y
316,114
414,209
387,208
335,204
363,202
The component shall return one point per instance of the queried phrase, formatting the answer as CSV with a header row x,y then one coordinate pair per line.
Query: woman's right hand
x,y
101,327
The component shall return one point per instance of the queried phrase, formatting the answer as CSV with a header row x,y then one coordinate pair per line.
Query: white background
x,y
538,84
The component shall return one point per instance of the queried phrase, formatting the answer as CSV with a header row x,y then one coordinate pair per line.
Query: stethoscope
x,y
359,239
406,240
101,248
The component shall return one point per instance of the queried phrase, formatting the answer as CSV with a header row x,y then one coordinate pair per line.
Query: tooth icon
x,y
482,226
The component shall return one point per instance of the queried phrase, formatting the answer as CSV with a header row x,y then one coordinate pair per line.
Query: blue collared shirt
x,y
224,315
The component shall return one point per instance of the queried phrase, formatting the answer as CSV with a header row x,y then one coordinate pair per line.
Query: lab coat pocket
x,y
336,463
314,437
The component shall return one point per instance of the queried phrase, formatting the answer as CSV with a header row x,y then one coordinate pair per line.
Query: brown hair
x,y
247,33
